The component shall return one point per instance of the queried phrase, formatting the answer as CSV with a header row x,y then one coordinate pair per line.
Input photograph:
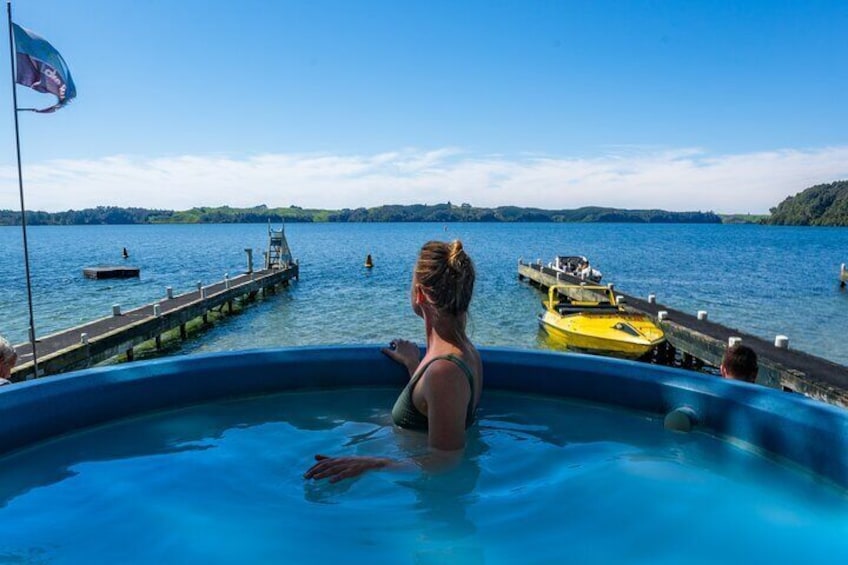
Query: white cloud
x,y
684,179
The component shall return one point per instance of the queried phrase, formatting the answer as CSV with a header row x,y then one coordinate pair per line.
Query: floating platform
x,y
111,272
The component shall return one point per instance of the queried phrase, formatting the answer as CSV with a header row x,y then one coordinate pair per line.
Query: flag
x,y
40,67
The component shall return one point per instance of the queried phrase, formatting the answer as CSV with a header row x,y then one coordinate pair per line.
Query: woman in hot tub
x,y
444,387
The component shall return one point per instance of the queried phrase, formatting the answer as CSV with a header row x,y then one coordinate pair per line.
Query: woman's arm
x,y
447,394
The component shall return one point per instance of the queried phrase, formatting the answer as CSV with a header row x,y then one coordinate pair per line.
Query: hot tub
x,y
200,458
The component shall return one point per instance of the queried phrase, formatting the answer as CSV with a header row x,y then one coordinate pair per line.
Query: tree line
x,y
446,212
819,205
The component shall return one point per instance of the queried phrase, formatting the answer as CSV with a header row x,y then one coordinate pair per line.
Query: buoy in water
x,y
368,262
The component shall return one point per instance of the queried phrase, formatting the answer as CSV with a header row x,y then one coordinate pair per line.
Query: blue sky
x,y
682,105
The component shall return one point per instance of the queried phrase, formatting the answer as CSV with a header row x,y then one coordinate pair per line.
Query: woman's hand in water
x,y
404,352
338,468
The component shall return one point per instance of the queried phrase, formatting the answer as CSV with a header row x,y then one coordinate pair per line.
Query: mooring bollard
x,y
702,314
83,338
781,342
202,292
157,310
733,340
116,309
169,292
226,280
199,285
662,315
652,299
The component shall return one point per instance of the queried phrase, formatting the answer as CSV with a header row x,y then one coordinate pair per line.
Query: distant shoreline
x,y
437,213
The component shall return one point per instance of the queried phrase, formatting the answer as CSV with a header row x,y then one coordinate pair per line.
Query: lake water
x,y
763,280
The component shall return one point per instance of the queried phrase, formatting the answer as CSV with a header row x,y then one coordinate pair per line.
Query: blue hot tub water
x,y
543,479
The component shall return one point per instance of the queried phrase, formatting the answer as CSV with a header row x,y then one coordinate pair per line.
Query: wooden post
x,y
130,354
158,342
183,331
670,354
205,318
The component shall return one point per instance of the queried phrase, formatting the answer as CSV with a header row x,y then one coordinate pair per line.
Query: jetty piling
x,y
706,341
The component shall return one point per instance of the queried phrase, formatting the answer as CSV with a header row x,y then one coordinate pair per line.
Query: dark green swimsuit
x,y
406,415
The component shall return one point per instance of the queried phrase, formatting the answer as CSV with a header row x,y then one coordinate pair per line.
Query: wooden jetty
x,y
117,334
699,338
110,272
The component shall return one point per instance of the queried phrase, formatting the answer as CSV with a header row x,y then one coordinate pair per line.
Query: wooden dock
x,y
108,337
787,369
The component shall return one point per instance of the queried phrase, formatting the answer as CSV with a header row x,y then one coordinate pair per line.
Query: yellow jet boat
x,y
589,319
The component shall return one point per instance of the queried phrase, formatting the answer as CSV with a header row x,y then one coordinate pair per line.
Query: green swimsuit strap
x,y
456,361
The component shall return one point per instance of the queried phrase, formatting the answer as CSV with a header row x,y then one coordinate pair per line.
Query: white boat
x,y
576,266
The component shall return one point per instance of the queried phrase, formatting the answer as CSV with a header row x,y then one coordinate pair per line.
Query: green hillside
x,y
820,205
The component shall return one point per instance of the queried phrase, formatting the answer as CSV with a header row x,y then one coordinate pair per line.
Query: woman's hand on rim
x,y
404,352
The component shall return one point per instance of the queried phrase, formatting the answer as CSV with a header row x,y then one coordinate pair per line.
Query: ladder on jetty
x,y
96,341
699,338
278,255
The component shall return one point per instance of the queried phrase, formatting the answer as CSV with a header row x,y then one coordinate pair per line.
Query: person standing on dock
x,y
444,387
739,363
8,358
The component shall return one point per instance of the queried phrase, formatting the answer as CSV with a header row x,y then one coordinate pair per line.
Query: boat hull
x,y
622,334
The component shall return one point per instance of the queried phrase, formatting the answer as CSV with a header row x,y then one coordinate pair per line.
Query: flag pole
x,y
21,191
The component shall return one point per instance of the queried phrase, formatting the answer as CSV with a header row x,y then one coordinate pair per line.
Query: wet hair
x,y
446,273
7,352
740,362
